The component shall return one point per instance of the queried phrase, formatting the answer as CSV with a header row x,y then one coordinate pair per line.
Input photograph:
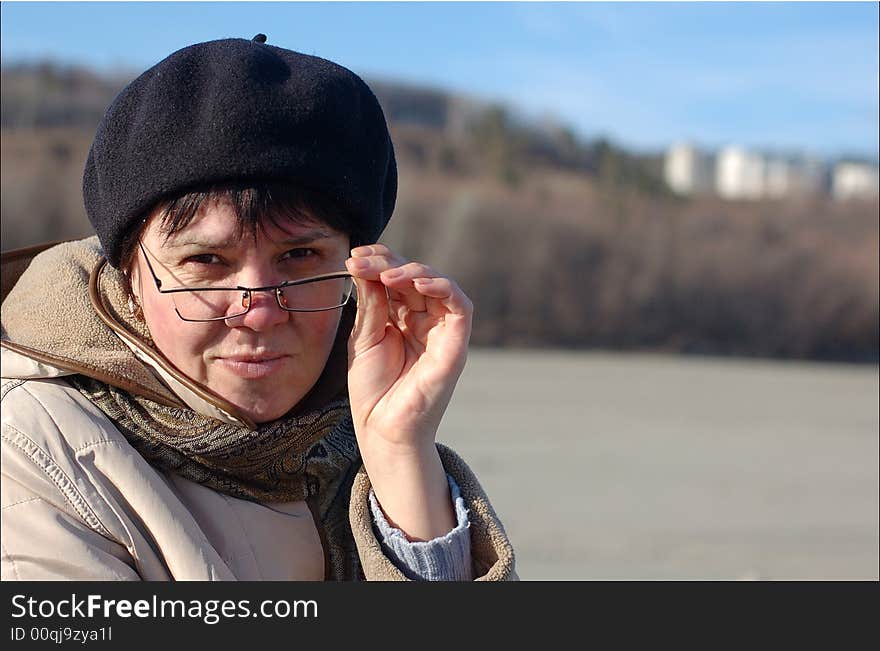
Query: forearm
x,y
412,489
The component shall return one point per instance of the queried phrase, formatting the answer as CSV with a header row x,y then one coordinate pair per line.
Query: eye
x,y
202,258
299,253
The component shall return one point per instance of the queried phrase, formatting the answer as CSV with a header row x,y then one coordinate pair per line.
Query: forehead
x,y
216,224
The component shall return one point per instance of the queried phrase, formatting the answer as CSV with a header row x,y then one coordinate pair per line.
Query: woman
x,y
192,393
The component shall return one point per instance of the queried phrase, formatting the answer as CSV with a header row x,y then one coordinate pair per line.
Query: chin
x,y
265,414
260,399
262,407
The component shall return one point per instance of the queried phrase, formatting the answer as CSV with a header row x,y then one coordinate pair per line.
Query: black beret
x,y
238,110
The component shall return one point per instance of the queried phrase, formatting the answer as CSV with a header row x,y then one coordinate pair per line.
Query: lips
x,y
253,366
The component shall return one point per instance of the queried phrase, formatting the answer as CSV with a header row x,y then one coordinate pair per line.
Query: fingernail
x,y
361,251
358,263
391,273
423,281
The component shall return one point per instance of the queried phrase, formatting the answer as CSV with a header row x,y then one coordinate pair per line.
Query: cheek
x,y
323,330
316,333
182,343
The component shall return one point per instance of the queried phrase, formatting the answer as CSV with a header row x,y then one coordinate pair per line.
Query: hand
x,y
406,352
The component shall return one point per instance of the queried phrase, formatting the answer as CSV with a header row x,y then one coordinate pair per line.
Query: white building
x,y
855,181
740,174
687,170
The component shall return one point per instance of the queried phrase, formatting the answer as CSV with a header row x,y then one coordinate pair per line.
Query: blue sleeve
x,y
447,558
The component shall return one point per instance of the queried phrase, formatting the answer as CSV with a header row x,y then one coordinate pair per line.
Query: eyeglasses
x,y
315,294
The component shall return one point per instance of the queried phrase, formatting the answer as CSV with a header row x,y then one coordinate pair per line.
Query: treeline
x,y
559,242
456,134
563,263
48,95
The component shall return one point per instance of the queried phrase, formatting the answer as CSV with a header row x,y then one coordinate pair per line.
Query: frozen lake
x,y
631,466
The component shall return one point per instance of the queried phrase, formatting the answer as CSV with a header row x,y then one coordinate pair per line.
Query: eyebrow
x,y
306,238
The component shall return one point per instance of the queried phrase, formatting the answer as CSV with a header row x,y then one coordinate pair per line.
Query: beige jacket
x,y
78,502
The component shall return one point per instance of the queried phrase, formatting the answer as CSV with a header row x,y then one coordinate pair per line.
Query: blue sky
x,y
798,76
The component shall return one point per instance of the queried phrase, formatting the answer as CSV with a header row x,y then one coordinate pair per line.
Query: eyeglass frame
x,y
277,289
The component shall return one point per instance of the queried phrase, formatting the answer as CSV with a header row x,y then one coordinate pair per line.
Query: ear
x,y
133,277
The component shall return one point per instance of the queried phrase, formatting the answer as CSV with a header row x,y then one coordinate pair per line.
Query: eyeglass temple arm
x,y
152,272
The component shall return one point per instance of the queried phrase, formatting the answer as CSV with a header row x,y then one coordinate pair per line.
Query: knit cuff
x,y
446,558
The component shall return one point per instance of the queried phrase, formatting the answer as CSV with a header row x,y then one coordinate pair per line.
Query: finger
x,y
405,301
370,266
399,281
446,302
371,317
447,295
407,272
379,256
373,249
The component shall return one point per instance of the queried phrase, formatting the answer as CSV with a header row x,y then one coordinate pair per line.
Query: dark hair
x,y
256,205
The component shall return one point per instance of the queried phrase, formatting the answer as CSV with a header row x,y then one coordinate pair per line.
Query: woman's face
x,y
265,361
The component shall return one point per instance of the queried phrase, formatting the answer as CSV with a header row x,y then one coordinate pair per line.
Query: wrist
x,y
412,490
399,470
393,456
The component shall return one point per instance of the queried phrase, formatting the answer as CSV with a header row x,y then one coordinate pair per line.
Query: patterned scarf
x,y
284,460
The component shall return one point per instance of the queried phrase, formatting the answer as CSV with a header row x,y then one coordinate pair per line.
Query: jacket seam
x,y
12,564
9,386
116,575
24,501
46,464
84,446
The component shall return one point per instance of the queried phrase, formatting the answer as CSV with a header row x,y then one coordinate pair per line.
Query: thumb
x,y
371,317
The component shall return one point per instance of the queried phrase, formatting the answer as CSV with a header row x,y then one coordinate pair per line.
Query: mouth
x,y
252,367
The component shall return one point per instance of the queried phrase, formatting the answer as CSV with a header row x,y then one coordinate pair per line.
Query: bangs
x,y
257,206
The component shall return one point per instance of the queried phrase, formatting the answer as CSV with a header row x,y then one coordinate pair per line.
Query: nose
x,y
263,315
